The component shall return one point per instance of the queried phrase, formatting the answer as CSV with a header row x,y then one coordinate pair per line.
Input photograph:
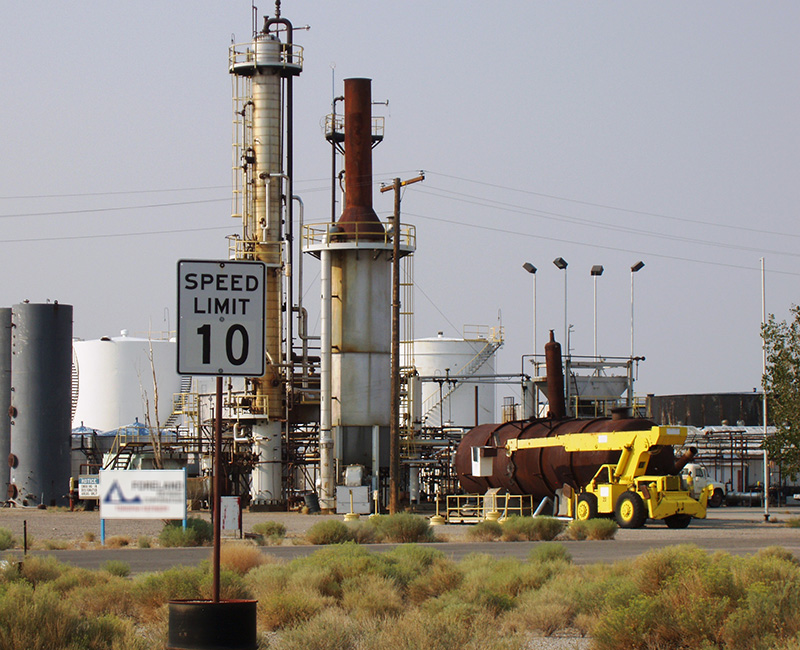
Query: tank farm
x,y
317,431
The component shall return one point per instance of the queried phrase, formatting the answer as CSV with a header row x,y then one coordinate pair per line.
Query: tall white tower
x,y
263,71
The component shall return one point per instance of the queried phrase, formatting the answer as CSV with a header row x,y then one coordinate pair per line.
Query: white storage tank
x,y
450,370
114,381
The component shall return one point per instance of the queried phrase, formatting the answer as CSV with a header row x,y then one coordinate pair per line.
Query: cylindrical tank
x,y
41,375
115,380
541,472
441,357
5,393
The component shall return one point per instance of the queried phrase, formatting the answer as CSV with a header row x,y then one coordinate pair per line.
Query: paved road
x,y
733,530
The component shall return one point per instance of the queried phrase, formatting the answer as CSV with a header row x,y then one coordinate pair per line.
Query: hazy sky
x,y
603,133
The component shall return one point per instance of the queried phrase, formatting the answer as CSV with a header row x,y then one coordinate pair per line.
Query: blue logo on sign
x,y
115,495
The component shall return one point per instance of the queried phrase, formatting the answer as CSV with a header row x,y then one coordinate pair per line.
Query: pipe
x,y
687,457
326,468
555,379
358,216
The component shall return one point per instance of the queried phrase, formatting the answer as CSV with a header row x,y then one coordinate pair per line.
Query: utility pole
x,y
394,430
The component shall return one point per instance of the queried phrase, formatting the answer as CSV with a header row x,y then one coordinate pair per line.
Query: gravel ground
x,y
62,525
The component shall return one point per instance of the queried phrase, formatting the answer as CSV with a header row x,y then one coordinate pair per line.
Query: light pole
x,y
561,263
530,268
636,267
597,271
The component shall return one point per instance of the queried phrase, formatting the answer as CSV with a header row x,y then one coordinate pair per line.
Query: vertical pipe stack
x,y
41,402
5,394
360,311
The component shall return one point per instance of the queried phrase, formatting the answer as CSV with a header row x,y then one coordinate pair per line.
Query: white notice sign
x,y
143,494
221,318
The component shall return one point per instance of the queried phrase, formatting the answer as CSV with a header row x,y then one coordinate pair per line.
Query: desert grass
x,y
269,532
592,529
241,557
531,528
346,597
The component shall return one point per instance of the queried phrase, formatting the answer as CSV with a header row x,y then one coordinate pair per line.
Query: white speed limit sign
x,y
221,318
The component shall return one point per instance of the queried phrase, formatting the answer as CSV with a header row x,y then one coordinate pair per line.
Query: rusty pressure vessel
x,y
541,472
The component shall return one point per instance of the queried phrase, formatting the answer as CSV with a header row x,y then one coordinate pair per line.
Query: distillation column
x,y
267,63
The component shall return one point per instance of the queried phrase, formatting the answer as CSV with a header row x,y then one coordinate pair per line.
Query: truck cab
x,y
697,478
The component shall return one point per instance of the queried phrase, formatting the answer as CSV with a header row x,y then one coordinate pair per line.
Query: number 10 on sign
x,y
221,318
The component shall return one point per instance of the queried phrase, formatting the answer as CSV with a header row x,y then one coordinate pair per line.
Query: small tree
x,y
782,386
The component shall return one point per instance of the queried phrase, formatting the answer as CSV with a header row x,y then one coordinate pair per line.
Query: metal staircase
x,y
432,409
179,401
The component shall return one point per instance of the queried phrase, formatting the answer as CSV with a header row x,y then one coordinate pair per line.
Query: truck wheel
x,y
630,511
587,506
716,499
678,521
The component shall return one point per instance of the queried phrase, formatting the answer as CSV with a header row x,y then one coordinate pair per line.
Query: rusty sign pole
x,y
394,430
217,487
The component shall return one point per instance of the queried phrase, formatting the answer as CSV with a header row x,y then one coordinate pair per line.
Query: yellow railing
x,y
474,508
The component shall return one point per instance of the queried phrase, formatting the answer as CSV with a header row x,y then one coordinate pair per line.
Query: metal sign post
x,y
221,331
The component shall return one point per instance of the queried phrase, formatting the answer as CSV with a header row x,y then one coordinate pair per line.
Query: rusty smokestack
x,y
687,457
358,216
555,378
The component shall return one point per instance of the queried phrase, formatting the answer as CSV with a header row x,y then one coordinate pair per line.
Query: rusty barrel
x,y
541,472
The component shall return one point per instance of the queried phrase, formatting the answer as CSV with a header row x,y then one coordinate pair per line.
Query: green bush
x,y
7,539
117,568
485,531
531,528
198,532
404,528
269,532
792,522
594,529
329,531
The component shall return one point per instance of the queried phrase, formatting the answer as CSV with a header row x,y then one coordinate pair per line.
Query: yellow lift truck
x,y
623,490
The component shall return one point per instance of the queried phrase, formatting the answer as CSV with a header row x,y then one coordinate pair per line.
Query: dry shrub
x,y
269,532
363,532
40,618
404,528
485,531
55,544
240,557
7,539
110,596
442,631
332,629
89,537
267,578
329,531
408,562
143,542
544,611
371,596
117,541
593,529
531,528
37,569
117,568
187,583
289,608
441,577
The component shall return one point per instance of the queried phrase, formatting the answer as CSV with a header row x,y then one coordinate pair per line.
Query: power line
x,y
619,209
110,235
595,245
554,216
110,209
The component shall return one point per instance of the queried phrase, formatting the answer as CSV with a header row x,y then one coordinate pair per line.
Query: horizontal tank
x,y
541,472
115,381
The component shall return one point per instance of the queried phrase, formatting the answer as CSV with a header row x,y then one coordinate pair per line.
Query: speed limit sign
x,y
221,318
